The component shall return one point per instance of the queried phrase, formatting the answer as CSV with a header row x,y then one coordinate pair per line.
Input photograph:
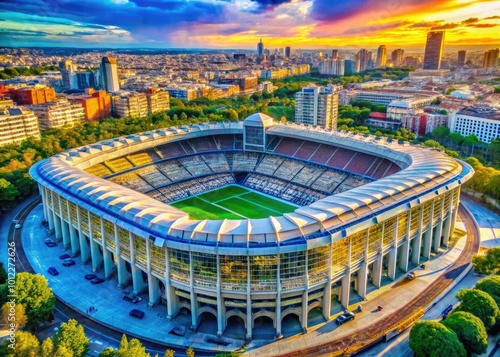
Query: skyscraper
x,y
288,52
317,106
381,56
335,54
491,58
397,57
365,59
66,69
461,58
260,48
109,74
434,50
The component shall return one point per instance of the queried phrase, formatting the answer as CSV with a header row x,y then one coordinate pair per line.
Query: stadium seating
x,y
132,181
381,169
195,165
139,159
351,182
174,170
288,169
360,163
205,143
151,175
306,150
171,150
118,165
288,146
308,174
323,153
245,161
328,181
341,158
99,170
269,164
216,162
224,142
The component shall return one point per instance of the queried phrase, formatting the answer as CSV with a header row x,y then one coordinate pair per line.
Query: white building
x,y
17,124
399,108
484,122
58,114
318,106
130,105
109,74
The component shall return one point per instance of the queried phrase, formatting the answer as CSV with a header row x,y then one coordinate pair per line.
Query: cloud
x,y
373,28
484,25
268,5
471,20
448,26
492,18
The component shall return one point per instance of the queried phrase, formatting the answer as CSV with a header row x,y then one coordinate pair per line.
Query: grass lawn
x,y
232,202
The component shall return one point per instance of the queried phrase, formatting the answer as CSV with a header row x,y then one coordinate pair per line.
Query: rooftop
x,y
481,112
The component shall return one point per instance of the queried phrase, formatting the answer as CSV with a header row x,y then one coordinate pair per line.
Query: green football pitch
x,y
232,202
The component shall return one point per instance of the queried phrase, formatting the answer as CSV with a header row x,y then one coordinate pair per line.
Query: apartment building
x,y
17,124
58,114
317,106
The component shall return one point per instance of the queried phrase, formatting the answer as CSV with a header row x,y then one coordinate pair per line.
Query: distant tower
x,y
335,54
260,48
381,56
66,69
397,57
109,74
434,50
317,106
491,58
461,58
365,59
288,52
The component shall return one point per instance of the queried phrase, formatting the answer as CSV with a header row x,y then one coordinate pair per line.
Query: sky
x,y
232,24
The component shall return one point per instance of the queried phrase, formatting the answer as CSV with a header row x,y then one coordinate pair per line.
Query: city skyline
x,y
306,24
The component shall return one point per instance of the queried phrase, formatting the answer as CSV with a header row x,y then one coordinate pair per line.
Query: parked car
x,y
90,276
68,262
410,276
138,314
50,243
53,271
348,316
130,296
97,281
64,256
18,225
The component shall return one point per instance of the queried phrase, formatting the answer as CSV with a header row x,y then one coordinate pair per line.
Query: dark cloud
x,y
268,5
492,18
425,24
471,20
9,33
373,28
484,25
448,26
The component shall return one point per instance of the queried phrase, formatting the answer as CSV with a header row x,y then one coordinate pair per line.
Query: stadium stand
x,y
171,150
99,170
224,142
308,174
118,165
174,170
245,161
139,159
195,165
203,144
216,162
360,163
288,169
323,153
328,181
341,158
306,150
151,175
268,164
288,146
351,182
133,181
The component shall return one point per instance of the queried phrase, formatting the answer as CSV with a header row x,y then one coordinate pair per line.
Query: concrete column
x,y
137,280
454,215
427,238
377,271
391,266
153,290
305,305
404,250
447,226
96,255
327,293
436,239
345,290
278,297
249,302
194,304
415,246
57,227
169,289
362,279
65,234
107,255
221,317
42,189
75,245
84,247
122,273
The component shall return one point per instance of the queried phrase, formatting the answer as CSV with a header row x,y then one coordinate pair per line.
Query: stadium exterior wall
x,y
351,238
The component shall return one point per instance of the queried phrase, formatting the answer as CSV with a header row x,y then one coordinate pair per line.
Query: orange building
x,y
33,95
97,105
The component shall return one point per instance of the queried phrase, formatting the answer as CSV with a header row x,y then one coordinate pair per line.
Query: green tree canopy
x,y
27,345
72,336
491,286
480,304
441,133
470,331
190,352
132,348
20,315
46,348
494,151
8,193
432,339
34,293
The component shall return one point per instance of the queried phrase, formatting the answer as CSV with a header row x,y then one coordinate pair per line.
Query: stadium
x,y
253,223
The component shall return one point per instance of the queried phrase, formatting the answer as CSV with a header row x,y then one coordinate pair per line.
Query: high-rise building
x,y
461,58
288,52
365,59
66,68
260,48
350,67
491,58
58,114
381,56
335,54
17,124
84,80
317,106
109,75
433,50
397,57
157,101
133,105
334,67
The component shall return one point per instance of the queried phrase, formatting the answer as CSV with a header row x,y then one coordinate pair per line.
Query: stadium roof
x,y
426,172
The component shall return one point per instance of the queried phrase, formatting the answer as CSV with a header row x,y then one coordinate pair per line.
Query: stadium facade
x,y
368,208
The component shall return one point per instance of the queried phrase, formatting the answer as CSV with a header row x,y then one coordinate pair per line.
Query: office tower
x,y
434,50
260,48
335,54
334,67
461,58
317,106
109,75
84,80
365,60
491,58
66,69
288,52
397,57
381,56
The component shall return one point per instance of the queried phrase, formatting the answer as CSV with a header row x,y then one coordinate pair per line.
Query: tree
x,y
190,352
490,286
470,331
432,339
471,140
441,133
108,352
63,351
16,311
132,348
27,345
494,151
457,138
480,304
169,353
8,193
46,348
3,274
34,293
72,336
